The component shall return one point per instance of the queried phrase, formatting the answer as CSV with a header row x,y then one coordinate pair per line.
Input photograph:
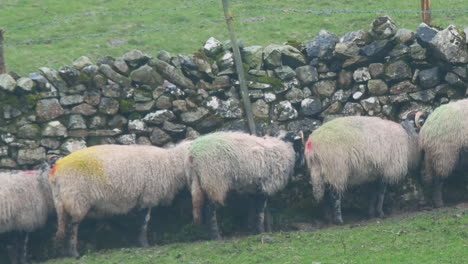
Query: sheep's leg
x,y
62,222
335,199
372,199
211,222
145,215
381,189
21,247
437,192
260,202
72,246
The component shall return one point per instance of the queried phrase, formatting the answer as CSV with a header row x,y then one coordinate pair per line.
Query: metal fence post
x,y
426,11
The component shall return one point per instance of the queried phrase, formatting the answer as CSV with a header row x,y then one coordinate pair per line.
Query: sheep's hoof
x,y
338,221
381,215
438,203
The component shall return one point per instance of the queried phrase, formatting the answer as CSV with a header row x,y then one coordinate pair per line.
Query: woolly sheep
x,y
25,204
444,141
114,179
221,162
350,151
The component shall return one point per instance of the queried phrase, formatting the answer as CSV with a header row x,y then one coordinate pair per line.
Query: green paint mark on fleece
x,y
337,132
85,162
443,120
206,144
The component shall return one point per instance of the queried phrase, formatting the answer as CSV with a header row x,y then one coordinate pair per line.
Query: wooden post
x,y
2,58
426,8
239,69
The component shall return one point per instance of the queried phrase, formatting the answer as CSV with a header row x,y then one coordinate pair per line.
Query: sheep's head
x,y
45,167
415,120
297,140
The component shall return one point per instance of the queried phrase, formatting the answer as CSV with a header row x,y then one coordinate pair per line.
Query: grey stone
x,y
48,109
71,99
8,163
229,109
82,62
3,151
173,128
325,88
377,87
98,121
253,56
221,82
76,89
213,47
69,75
54,129
403,87
425,33
108,106
41,81
307,74
461,71
334,108
29,131
99,81
146,75
121,66
397,71
450,46
376,70
163,102
357,95
285,73
117,121
346,50
429,78
159,137
260,109
424,96
31,156
278,55
142,96
179,106
111,90
84,109
54,78
92,97
354,61
25,84
143,140
294,95
135,58
173,75
453,79
361,74
158,117
50,143
90,70
359,37
202,66
10,112
72,145
322,46
269,97
7,82
284,111
144,107
341,95
8,138
345,79
259,85
377,48
371,105
127,139
255,94
76,122
306,124
352,109
114,76
400,51
383,27
405,36
226,63
164,56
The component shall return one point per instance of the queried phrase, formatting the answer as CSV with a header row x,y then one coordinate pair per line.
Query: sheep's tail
x,y
198,197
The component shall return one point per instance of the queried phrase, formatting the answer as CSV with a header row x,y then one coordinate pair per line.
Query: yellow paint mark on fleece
x,y
85,162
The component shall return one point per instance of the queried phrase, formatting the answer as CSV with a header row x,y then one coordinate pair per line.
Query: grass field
x,y
439,236
54,32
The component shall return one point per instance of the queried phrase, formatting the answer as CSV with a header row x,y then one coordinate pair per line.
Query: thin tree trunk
x,y
2,58
426,8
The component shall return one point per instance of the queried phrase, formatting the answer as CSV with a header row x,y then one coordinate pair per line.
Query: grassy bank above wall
x,y
53,33
439,236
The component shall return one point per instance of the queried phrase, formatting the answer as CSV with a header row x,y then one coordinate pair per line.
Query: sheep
x,y
444,142
353,150
114,179
221,162
25,204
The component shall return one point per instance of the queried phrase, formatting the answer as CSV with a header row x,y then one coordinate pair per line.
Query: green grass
x,y
70,29
439,236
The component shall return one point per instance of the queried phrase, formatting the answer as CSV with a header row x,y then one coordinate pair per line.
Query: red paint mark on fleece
x,y
30,172
309,146
52,172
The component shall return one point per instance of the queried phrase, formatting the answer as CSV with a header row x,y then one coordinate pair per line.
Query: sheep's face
x,y
414,121
297,139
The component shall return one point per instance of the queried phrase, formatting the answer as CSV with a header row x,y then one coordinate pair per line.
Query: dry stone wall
x,y
140,99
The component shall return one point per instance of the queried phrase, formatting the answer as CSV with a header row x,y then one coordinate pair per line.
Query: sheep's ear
x,y
52,159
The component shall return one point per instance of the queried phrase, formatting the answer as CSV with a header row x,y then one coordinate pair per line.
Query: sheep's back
x,y
116,178
444,135
236,161
23,205
353,150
